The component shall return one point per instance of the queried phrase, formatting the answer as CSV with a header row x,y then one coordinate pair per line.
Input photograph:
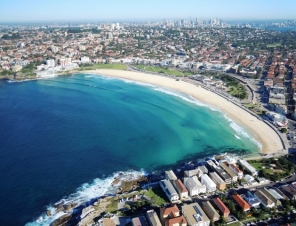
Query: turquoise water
x,y
67,137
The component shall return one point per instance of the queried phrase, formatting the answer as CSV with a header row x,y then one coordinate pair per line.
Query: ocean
x,y
69,136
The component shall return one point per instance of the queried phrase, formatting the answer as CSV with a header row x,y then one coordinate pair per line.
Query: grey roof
x,y
153,218
210,210
228,170
194,214
215,177
192,182
170,175
168,187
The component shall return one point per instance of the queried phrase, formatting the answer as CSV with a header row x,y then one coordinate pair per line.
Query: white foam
x,y
242,132
85,193
89,76
237,137
184,97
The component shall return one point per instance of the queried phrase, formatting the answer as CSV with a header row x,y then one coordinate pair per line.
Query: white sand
x,y
270,141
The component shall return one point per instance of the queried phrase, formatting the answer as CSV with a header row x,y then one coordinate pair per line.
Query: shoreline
x,y
260,131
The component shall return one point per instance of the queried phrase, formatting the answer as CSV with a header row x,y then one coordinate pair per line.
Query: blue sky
x,y
112,10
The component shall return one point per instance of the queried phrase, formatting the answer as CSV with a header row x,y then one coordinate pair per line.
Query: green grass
x,y
238,91
235,224
157,196
113,206
103,66
168,71
273,45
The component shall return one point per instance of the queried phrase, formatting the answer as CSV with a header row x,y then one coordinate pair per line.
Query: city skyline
x,y
91,10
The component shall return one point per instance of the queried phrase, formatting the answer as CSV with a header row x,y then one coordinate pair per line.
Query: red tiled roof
x,y
180,186
221,205
169,211
177,220
243,204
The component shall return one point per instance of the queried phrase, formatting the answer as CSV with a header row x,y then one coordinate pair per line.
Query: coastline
x,y
261,132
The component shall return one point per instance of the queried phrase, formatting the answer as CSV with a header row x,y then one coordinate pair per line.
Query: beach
x,y
260,131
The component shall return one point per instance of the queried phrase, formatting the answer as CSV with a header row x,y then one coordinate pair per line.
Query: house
x,y
183,193
236,170
195,172
251,200
210,211
225,176
289,191
205,180
278,191
241,202
178,221
203,169
108,222
169,190
170,175
139,221
251,180
221,185
229,172
271,197
169,213
224,211
194,215
265,201
152,218
248,167
193,186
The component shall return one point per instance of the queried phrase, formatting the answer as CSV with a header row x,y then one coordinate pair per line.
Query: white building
x,y
236,170
205,180
170,175
251,180
169,190
193,186
248,167
194,172
84,59
50,63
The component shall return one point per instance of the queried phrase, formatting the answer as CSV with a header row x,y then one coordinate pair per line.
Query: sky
x,y
132,10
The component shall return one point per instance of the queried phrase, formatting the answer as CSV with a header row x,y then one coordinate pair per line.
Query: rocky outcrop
x,y
62,221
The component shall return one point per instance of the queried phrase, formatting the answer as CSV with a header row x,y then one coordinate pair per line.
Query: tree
x,y
283,130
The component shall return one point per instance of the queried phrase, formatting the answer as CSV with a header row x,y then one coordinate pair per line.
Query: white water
x,y
85,193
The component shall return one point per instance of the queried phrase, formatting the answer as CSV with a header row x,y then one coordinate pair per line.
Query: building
x,y
191,173
194,215
203,169
251,200
170,175
278,191
50,63
229,172
224,211
250,179
54,49
210,211
182,191
169,190
248,167
178,221
241,202
169,213
153,218
265,201
139,221
193,186
84,59
289,191
221,185
236,170
205,180
271,197
225,176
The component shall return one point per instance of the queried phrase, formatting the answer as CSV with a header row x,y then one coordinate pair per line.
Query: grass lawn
x,y
112,206
157,196
235,224
103,66
238,91
273,45
168,71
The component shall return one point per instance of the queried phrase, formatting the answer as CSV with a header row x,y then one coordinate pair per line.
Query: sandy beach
x,y
270,141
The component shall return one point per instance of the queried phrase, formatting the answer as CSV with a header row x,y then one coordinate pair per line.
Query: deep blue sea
x,y
67,137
